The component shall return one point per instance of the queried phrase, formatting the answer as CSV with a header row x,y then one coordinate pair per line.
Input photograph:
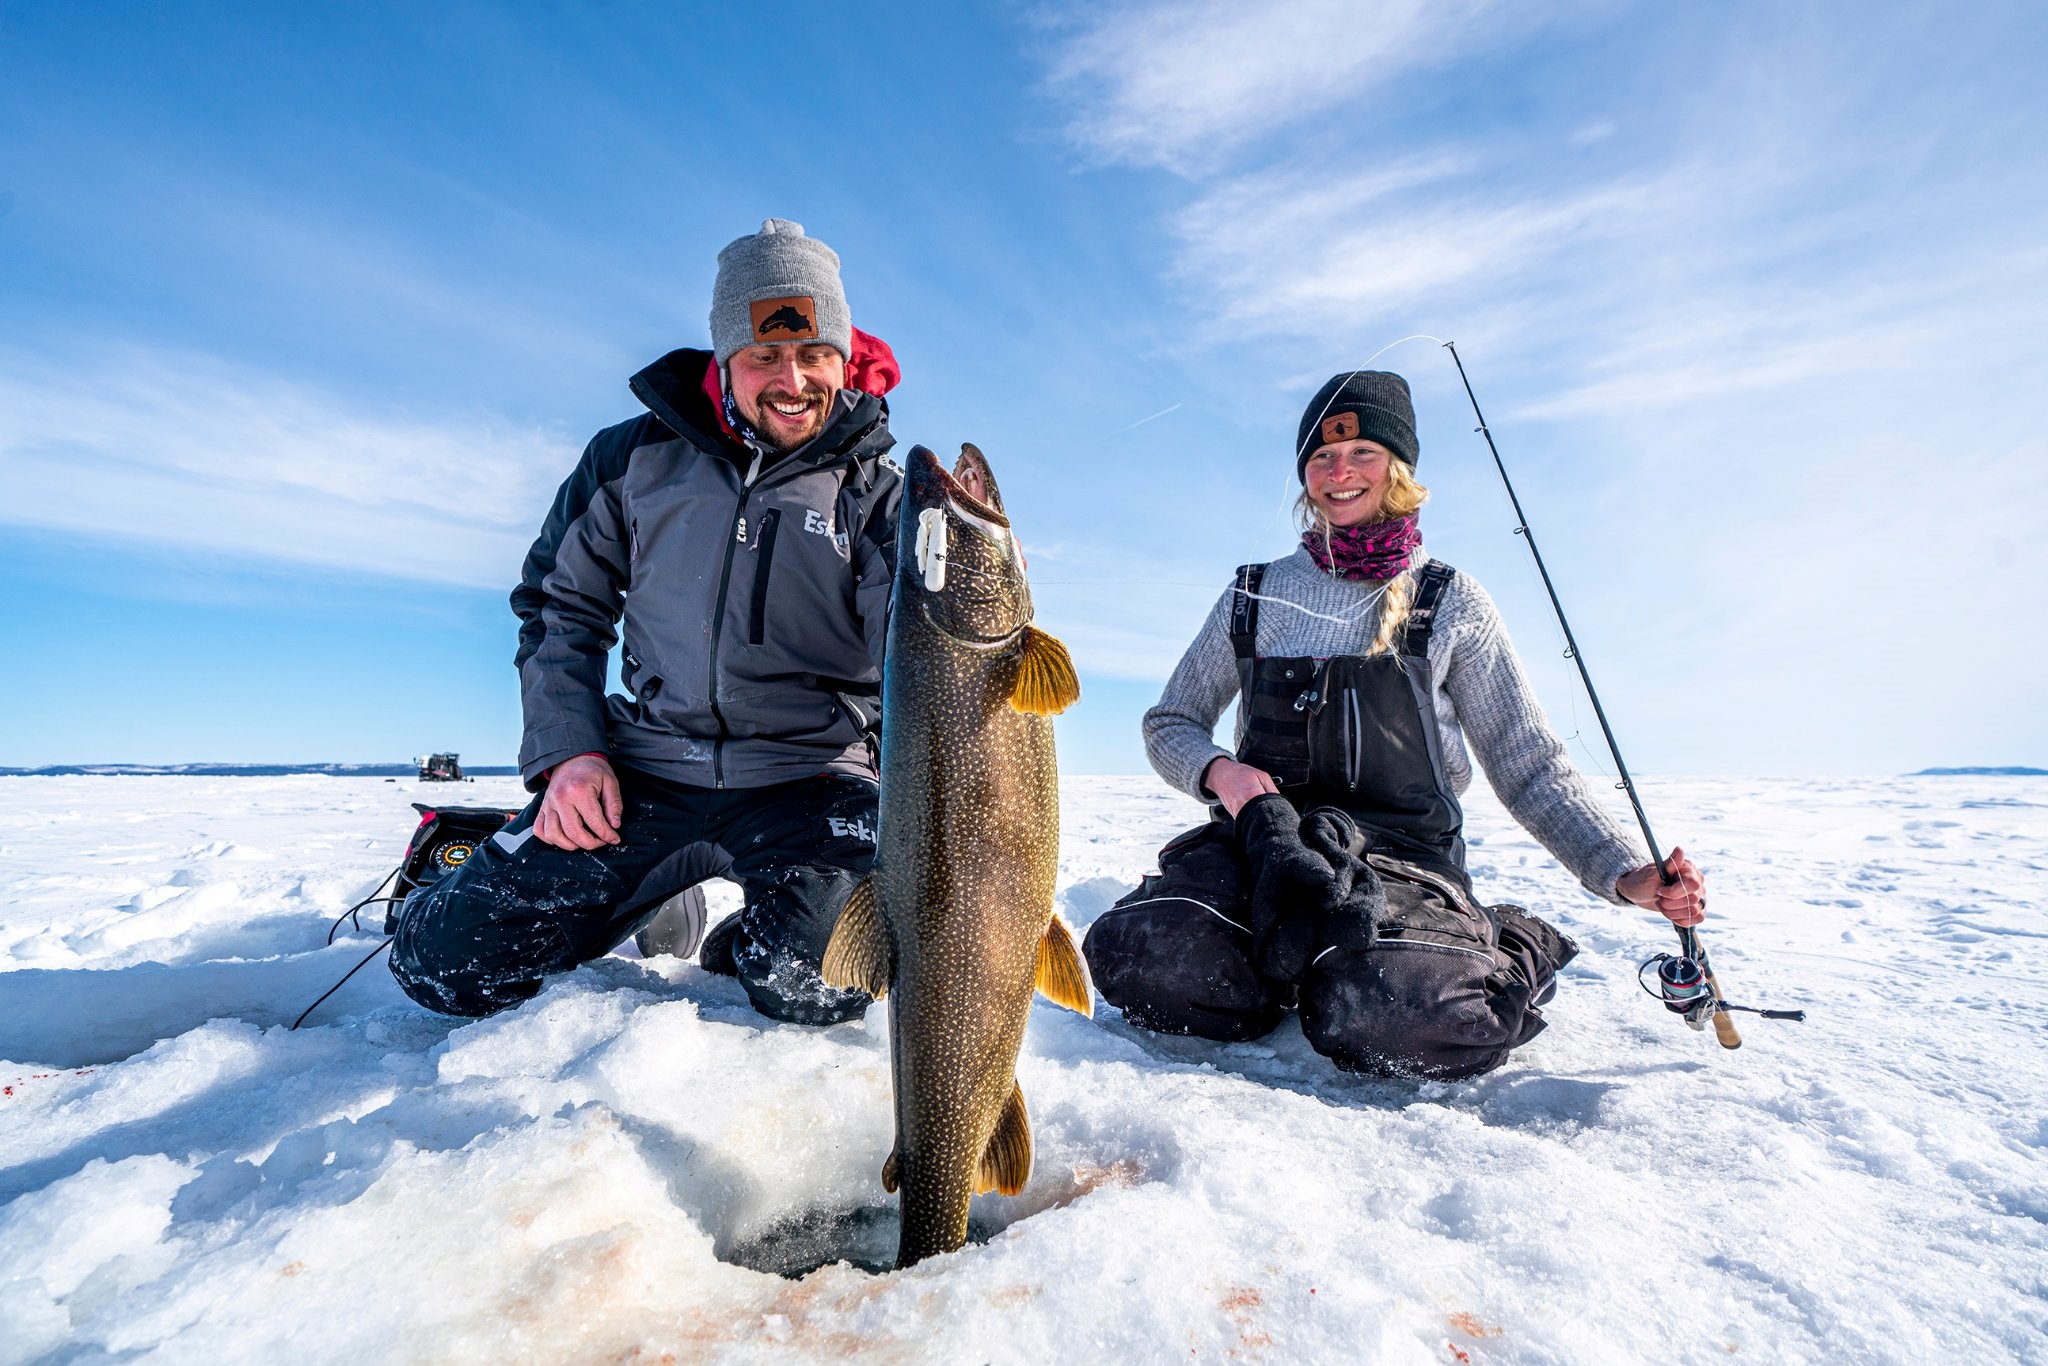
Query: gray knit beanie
x,y
778,286
1358,405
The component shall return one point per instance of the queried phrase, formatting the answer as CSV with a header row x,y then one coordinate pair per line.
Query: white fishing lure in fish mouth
x,y
931,548
932,540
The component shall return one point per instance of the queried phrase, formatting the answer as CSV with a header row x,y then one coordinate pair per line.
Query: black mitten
x,y
1350,919
1292,887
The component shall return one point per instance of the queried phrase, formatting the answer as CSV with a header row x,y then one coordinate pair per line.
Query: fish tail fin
x,y
860,953
1006,1163
892,1170
1046,681
1062,971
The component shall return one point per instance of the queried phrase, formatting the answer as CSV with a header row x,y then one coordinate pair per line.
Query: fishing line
x,y
1698,996
1371,601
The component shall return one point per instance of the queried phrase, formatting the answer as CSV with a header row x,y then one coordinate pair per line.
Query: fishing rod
x,y
1685,980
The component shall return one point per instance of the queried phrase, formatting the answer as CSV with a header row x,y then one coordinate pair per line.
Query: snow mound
x,y
636,1167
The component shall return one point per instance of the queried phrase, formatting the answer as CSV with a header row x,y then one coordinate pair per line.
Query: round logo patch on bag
x,y
453,854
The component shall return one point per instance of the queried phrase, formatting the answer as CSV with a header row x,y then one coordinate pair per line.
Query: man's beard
x,y
766,423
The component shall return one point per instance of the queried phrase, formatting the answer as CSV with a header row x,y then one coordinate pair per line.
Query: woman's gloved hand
x,y
1351,921
1311,887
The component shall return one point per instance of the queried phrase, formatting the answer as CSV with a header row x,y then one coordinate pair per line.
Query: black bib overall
x,y
1357,732
1441,986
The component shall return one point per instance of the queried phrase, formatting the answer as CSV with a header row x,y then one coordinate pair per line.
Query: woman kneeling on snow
x,y
1333,879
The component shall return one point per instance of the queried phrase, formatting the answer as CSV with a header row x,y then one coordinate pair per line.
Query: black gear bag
x,y
442,842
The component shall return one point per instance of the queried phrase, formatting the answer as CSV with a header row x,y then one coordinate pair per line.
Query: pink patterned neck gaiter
x,y
1371,553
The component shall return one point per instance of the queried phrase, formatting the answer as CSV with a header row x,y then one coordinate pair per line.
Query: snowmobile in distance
x,y
441,768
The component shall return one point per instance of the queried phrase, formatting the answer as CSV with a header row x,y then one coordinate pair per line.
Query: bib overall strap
x,y
1244,611
1429,590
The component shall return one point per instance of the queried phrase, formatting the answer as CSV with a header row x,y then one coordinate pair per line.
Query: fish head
x,y
957,559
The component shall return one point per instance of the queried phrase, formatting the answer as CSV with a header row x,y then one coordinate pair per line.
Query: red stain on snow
x,y
40,1076
1470,1325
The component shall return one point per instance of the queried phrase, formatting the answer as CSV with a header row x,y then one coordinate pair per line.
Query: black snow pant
x,y
1440,988
484,936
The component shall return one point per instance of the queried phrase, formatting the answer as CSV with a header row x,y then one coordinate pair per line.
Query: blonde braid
x,y
1400,595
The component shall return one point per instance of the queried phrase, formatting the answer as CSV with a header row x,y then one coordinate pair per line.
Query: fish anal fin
x,y
1046,681
892,1172
1062,971
1006,1163
860,953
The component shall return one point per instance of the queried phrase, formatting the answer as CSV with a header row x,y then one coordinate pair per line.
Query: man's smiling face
x,y
785,390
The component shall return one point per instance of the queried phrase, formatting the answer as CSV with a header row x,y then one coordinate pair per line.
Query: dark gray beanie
x,y
778,286
1358,405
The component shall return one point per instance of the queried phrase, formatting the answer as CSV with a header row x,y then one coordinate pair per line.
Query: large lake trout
x,y
956,926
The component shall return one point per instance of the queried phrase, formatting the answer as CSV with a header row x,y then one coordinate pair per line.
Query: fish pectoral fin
x,y
861,953
1006,1163
1062,971
1046,681
892,1171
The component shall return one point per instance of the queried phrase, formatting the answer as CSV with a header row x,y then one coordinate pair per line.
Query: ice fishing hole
x,y
866,1237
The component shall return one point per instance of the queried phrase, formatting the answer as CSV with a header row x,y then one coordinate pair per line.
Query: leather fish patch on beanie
x,y
1359,405
793,318
778,285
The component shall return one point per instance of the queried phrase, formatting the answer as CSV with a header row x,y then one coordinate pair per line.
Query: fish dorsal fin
x,y
861,953
892,1170
1046,682
1062,972
1006,1163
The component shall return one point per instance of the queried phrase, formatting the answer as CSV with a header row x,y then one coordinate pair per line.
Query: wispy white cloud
x,y
1766,246
1763,322
185,450
1294,251
1183,85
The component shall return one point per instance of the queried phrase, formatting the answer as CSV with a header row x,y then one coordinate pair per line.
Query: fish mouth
x,y
932,484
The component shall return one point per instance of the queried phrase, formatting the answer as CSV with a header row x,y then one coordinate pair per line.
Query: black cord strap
x,y
338,985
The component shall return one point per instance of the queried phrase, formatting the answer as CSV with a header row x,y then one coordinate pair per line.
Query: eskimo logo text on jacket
x,y
794,317
818,524
859,828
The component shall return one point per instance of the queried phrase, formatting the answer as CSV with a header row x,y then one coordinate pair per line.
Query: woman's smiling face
x,y
1347,481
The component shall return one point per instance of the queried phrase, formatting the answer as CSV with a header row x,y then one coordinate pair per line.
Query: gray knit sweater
x,y
1481,694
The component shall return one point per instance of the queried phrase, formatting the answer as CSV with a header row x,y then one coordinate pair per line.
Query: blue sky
x,y
304,312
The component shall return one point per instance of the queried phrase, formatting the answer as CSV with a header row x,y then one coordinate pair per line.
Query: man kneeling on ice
x,y
744,527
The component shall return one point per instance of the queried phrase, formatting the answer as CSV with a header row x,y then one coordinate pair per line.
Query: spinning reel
x,y
1685,984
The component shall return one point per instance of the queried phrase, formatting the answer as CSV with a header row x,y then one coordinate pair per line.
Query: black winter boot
x,y
716,955
677,928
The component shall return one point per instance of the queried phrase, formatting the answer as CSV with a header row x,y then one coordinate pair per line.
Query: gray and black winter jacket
x,y
755,595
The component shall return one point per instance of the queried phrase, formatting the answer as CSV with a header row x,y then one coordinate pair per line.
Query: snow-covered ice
x,y
617,1170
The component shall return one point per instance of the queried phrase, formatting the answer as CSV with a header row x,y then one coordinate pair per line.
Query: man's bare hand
x,y
582,808
1234,783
